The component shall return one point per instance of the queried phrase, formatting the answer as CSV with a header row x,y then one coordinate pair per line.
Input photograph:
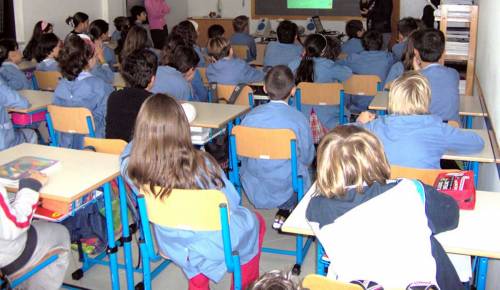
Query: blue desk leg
x,y
112,249
468,122
127,248
475,169
230,160
320,267
482,271
381,112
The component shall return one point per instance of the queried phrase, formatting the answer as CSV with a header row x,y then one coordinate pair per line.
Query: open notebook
x,y
12,172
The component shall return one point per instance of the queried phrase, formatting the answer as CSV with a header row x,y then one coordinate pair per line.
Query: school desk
x,y
80,172
473,236
38,100
118,81
470,106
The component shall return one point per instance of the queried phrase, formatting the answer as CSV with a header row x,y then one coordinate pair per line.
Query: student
x,y
187,30
354,30
175,73
410,125
285,50
41,27
405,27
163,141
139,17
79,88
405,64
23,243
373,228
444,81
98,30
138,71
313,66
371,61
136,39
216,30
10,58
10,136
79,22
242,36
268,183
47,51
227,69
121,23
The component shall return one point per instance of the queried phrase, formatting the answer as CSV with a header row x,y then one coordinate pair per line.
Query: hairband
x,y
326,44
87,39
44,25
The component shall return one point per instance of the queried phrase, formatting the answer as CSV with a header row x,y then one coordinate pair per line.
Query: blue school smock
x,y
233,71
395,72
116,36
202,252
240,38
399,49
268,183
325,71
171,82
419,141
109,56
200,92
278,53
375,62
86,91
14,77
445,97
48,64
9,98
200,54
104,72
351,46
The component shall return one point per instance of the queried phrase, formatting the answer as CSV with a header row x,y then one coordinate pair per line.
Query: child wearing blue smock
x,y
372,61
323,70
80,88
162,122
411,136
227,69
47,52
10,57
405,27
285,50
268,183
242,36
354,30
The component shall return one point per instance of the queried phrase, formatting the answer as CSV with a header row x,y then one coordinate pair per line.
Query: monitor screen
x,y
318,24
309,4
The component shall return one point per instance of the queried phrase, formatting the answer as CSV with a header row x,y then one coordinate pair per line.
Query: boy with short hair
x,y
242,36
444,81
285,50
354,30
405,27
216,30
268,183
139,17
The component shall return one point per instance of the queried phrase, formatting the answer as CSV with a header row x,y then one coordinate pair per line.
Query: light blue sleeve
x,y
10,98
232,195
109,56
103,91
15,78
395,72
200,92
200,54
306,145
462,141
103,72
252,75
341,72
294,65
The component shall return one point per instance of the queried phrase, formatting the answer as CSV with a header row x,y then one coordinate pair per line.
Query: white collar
x,y
279,102
83,75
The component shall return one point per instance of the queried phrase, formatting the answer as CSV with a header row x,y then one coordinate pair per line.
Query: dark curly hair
x,y
186,30
46,44
74,57
7,45
173,41
139,67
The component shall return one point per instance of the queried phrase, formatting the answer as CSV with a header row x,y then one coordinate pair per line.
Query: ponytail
x,y
314,46
305,71
76,19
70,21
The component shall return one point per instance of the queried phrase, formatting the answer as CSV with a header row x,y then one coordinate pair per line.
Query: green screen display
x,y
309,4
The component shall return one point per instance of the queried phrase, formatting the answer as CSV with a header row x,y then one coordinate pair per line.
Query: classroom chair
x,y
454,123
47,80
240,51
261,51
110,146
321,94
361,86
73,120
427,176
269,144
198,210
223,94
203,74
318,282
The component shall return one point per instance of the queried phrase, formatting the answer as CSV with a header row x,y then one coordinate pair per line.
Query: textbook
x,y
12,172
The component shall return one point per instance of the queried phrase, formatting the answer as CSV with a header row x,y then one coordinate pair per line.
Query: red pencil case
x,y
460,186
21,119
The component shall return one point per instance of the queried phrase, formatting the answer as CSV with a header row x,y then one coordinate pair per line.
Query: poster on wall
x,y
132,3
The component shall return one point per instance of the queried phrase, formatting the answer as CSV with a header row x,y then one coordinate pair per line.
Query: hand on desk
x,y
366,117
38,176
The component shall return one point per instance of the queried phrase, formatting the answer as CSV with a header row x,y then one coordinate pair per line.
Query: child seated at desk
x,y
188,30
162,155
98,30
354,30
138,71
10,57
405,27
412,137
375,229
314,66
41,27
24,244
122,25
227,69
268,183
242,36
47,51
285,50
136,39
10,136
79,88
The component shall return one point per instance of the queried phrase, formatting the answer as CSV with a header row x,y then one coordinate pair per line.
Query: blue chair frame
x,y
54,135
30,273
342,118
301,249
149,254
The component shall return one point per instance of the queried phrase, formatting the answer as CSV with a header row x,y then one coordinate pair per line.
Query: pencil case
x,y
21,119
460,186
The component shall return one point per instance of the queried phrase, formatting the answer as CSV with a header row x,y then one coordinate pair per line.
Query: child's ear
x,y
151,83
400,37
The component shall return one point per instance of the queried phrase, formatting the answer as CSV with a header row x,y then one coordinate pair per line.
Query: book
x,y
12,172
65,208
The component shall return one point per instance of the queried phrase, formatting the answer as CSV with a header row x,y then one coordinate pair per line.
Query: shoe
x,y
280,218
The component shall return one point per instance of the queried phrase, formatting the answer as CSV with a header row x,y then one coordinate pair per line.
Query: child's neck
x,y
425,64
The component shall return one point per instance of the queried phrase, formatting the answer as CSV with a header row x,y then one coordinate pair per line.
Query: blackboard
x,y
342,10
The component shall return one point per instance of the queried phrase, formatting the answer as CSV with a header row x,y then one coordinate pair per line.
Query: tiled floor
x,y
172,277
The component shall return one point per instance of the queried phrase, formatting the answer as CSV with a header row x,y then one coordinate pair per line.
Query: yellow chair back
x,y
317,282
203,74
240,51
366,85
320,93
261,143
427,176
47,80
454,123
224,93
110,146
70,119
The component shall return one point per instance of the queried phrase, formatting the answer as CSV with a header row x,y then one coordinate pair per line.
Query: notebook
x,y
12,172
